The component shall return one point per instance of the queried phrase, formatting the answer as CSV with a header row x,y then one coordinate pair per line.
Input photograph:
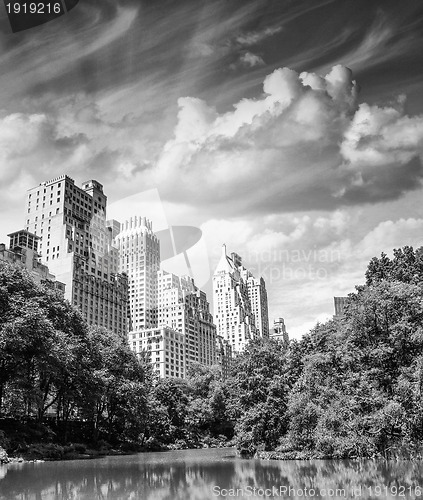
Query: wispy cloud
x,y
379,44
255,37
260,155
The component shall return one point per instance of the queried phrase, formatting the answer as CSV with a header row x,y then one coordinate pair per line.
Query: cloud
x,y
250,60
306,143
309,259
297,332
388,235
27,140
255,37
73,135
382,136
44,57
379,44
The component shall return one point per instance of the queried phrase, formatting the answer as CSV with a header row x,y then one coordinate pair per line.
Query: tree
x,y
116,371
356,385
259,393
171,394
406,266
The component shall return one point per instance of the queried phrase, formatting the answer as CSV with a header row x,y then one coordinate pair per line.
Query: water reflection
x,y
208,474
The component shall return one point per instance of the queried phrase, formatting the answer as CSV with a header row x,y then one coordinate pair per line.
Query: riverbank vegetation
x,y
67,389
352,387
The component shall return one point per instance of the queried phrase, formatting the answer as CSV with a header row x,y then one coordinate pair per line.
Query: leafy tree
x,y
171,394
355,391
406,266
113,366
259,392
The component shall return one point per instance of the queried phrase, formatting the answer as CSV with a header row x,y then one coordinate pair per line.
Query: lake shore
x,y
290,455
49,452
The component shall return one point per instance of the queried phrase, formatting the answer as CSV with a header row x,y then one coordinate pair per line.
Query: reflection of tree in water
x,y
339,474
321,474
115,479
192,476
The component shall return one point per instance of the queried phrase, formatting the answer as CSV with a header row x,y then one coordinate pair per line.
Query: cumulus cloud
x,y
72,136
381,136
306,143
388,235
28,140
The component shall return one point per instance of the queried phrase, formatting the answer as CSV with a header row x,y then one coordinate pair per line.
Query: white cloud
x,y
254,37
388,235
250,60
304,144
296,332
307,260
379,136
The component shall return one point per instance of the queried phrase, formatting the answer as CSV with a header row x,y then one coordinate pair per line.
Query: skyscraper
x,y
235,320
183,307
223,356
139,258
23,251
76,243
163,348
278,331
185,332
258,298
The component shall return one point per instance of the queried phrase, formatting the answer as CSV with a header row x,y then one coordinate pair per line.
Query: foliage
x,y
259,395
352,387
50,361
356,395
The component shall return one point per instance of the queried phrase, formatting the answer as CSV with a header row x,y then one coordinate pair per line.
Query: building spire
x,y
224,263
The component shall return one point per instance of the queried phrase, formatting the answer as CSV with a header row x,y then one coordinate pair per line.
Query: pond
x,y
208,474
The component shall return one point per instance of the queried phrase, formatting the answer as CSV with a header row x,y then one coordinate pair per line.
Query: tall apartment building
x,y
278,331
139,258
258,298
184,308
223,356
75,241
185,332
235,320
164,348
340,304
23,251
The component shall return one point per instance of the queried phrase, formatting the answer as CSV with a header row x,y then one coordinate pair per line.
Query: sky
x,y
291,131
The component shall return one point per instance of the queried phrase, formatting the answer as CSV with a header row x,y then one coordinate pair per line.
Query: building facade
x,y
278,331
235,320
76,242
223,356
23,251
163,348
184,308
257,294
340,303
139,259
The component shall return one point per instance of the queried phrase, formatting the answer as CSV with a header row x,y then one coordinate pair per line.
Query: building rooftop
x,y
225,264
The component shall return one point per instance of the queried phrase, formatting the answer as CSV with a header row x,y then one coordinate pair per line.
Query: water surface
x,y
208,474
